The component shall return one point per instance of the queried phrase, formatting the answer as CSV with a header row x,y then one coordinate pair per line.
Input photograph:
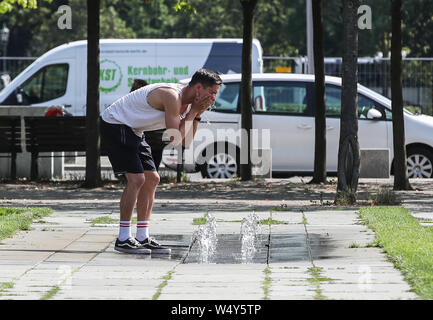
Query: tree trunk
x,y
401,181
248,7
385,52
93,143
319,175
349,153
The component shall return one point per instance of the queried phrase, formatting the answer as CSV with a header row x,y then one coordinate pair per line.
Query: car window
x,y
47,84
333,104
227,98
388,114
280,98
332,101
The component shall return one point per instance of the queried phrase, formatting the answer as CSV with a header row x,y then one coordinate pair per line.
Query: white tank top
x,y
135,111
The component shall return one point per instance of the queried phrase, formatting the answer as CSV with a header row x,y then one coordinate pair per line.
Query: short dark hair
x,y
137,84
206,77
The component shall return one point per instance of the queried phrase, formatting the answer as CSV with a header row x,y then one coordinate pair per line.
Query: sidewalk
x,y
69,258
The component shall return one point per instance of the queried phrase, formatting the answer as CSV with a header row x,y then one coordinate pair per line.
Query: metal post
x,y
310,45
180,160
4,57
4,37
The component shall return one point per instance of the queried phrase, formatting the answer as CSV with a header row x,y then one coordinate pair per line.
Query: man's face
x,y
211,91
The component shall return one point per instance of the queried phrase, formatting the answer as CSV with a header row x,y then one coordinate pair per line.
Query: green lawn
x,y
408,244
16,219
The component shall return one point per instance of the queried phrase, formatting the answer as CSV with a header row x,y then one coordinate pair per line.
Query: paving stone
x,y
80,258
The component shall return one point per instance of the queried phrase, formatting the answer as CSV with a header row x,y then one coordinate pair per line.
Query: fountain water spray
x,y
206,238
250,231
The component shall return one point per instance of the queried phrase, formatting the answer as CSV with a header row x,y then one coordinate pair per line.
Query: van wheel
x,y
221,165
419,163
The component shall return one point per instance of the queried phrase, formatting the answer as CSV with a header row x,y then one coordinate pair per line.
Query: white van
x,y
59,77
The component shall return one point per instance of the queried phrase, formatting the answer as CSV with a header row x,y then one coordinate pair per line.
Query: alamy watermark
x,y
364,280
64,277
65,20
224,141
365,20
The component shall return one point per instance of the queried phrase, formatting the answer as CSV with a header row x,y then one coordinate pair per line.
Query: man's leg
x,y
125,242
120,141
135,181
127,203
145,199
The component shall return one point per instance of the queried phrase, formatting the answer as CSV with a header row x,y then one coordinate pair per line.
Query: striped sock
x,y
142,230
124,230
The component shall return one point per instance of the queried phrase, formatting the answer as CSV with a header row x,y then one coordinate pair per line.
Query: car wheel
x,y
220,165
419,163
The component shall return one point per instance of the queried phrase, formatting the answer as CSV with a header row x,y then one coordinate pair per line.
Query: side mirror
x,y
374,114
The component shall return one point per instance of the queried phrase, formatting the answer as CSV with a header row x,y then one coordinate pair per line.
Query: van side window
x,y
227,98
47,84
280,98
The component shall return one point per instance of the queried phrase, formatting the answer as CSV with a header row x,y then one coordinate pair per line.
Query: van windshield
x,y
48,83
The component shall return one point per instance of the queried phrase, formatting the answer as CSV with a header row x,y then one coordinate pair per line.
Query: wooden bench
x,y
54,134
10,140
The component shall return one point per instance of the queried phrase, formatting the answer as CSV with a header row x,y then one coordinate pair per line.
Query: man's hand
x,y
201,104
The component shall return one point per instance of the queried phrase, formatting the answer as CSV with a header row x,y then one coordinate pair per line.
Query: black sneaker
x,y
130,246
154,246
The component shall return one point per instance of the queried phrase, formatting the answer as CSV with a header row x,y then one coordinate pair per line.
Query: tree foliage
x,y
8,5
279,24
40,32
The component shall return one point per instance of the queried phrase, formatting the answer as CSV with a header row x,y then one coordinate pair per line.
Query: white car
x,y
284,107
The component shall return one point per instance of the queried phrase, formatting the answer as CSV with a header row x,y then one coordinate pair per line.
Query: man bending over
x,y
152,107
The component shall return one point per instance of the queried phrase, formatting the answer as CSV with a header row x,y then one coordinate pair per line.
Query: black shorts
x,y
157,144
126,151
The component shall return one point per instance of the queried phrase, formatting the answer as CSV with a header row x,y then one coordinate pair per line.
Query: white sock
x,y
142,230
124,230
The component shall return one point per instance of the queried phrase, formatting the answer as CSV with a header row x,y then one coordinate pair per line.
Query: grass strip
x,y
14,219
408,244
166,278
51,293
103,220
200,220
6,285
269,221
282,207
316,280
266,282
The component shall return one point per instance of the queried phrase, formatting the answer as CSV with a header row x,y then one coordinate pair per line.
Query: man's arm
x,y
183,128
190,128
186,127
190,123
172,105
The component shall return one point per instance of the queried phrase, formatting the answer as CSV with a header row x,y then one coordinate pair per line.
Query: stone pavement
x,y
317,252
